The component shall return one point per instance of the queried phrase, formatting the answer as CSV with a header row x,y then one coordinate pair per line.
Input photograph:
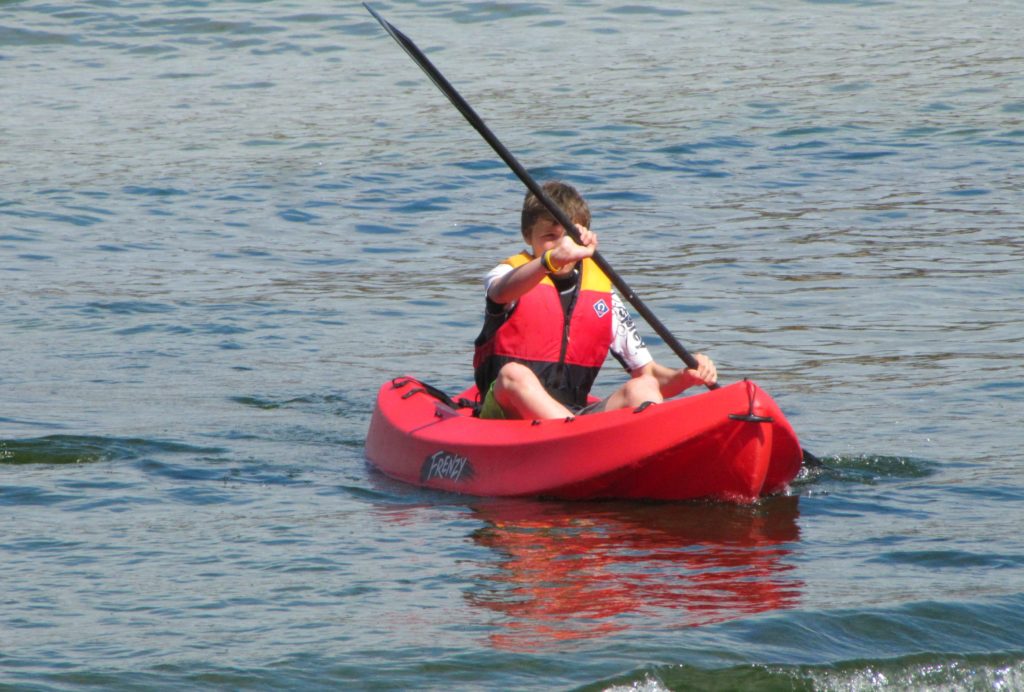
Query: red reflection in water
x,y
577,571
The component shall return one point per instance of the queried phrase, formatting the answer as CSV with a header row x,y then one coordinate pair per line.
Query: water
x,y
224,225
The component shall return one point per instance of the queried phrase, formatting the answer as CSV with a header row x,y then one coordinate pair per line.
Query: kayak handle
x,y
751,418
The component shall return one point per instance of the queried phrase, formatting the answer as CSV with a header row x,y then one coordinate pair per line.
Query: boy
x,y
551,320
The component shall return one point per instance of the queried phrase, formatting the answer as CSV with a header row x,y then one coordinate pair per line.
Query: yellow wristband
x,y
545,259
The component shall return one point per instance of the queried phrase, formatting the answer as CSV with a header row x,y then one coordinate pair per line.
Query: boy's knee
x,y
513,375
641,389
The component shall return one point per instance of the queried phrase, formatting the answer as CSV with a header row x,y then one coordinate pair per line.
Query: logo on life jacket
x,y
601,308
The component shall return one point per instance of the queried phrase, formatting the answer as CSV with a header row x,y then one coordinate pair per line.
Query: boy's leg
x,y
633,393
521,395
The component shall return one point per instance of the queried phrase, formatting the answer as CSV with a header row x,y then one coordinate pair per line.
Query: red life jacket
x,y
566,349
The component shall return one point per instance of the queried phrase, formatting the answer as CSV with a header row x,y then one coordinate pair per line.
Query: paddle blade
x,y
413,51
811,461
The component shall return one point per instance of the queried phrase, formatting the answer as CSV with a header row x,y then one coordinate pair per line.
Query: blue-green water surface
x,y
223,225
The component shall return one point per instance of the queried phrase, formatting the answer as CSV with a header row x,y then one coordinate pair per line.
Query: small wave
x,y
925,672
269,404
645,9
153,191
918,672
376,229
297,216
84,449
129,307
27,37
474,231
950,559
867,469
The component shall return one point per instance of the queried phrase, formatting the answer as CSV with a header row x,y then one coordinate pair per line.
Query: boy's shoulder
x,y
518,259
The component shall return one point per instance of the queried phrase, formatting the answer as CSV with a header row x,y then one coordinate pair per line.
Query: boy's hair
x,y
562,194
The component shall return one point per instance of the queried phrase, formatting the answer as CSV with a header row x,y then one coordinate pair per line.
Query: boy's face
x,y
544,235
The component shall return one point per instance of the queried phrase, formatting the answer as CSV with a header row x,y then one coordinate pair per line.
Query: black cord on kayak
x,y
438,394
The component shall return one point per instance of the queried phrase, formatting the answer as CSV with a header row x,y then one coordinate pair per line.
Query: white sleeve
x,y
627,344
495,274
492,276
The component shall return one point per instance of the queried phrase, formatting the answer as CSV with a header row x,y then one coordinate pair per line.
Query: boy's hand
x,y
567,252
706,373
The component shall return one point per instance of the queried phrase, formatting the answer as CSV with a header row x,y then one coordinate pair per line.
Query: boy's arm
x,y
672,382
513,284
524,277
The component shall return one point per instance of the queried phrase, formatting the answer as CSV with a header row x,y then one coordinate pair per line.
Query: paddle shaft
x,y
478,124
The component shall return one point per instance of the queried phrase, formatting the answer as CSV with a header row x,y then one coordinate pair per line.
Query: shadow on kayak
x,y
575,571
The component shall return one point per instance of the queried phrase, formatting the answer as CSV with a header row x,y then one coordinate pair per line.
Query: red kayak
x,y
731,444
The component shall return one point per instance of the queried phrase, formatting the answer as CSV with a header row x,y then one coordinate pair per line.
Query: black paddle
x,y
478,124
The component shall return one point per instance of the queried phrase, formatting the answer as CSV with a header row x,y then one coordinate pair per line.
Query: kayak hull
x,y
731,444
